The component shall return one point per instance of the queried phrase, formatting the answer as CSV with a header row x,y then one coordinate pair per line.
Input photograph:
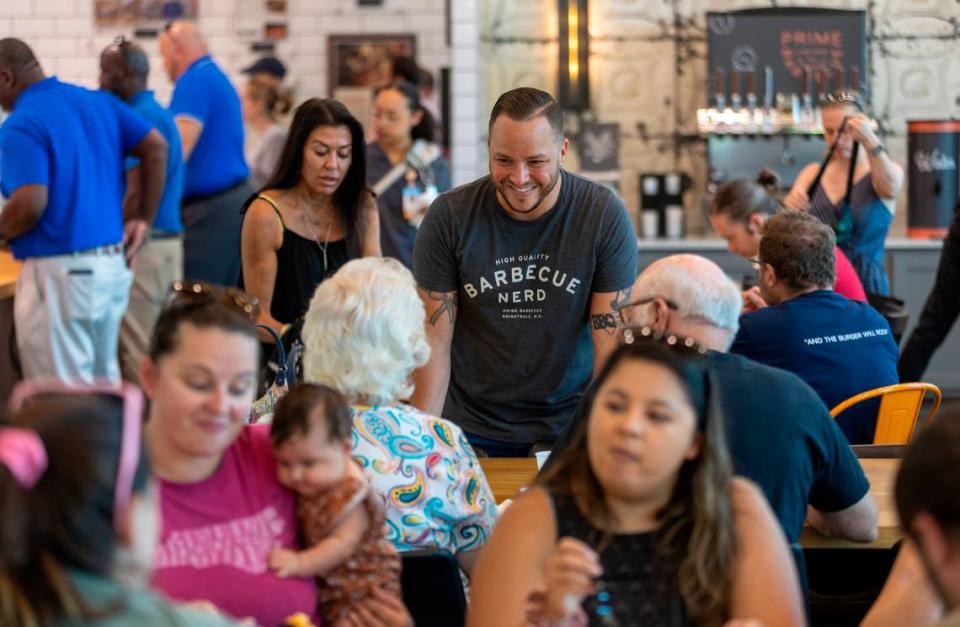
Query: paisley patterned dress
x,y
436,493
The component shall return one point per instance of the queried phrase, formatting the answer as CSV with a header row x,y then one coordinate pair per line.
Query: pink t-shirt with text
x,y
216,536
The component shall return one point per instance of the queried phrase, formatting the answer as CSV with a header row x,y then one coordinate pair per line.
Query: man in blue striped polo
x,y
61,153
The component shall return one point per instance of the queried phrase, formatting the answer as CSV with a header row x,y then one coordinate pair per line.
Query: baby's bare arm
x,y
330,552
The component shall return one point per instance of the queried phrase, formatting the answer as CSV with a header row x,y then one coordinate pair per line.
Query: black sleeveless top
x,y
636,587
300,270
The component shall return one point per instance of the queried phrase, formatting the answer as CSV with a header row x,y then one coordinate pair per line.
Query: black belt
x,y
204,197
160,235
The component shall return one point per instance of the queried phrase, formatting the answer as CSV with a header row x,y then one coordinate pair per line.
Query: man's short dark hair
x,y
800,249
929,477
525,103
16,55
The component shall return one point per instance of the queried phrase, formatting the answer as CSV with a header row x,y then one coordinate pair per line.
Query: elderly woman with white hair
x,y
364,336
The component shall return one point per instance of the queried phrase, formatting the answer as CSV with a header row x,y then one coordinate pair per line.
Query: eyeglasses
x,y
623,310
123,47
199,293
130,437
633,335
757,263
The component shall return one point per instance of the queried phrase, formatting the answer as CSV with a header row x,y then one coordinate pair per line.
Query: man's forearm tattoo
x,y
605,321
621,298
610,322
448,306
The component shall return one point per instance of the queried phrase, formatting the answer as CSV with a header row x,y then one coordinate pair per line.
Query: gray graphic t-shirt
x,y
522,352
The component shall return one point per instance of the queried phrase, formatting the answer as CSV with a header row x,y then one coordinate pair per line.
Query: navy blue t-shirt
x,y
168,212
204,94
838,346
781,437
72,141
522,350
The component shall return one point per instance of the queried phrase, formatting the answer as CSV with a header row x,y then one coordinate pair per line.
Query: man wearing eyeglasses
x,y
838,346
206,109
778,431
123,72
61,171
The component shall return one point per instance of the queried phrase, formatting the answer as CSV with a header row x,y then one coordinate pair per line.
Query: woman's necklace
x,y
326,240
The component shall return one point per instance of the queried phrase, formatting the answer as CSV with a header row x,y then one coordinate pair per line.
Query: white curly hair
x,y
363,334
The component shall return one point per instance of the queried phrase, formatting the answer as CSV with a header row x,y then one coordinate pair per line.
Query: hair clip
x,y
633,334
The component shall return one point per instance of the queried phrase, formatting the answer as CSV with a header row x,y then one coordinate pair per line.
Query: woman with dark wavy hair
x,y
312,216
639,522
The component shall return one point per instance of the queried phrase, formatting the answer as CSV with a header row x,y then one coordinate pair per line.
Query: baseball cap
x,y
267,65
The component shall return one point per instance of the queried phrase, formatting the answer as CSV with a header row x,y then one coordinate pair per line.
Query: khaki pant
x,y
158,264
67,312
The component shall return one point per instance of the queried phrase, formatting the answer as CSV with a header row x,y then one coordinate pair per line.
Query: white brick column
x,y
466,140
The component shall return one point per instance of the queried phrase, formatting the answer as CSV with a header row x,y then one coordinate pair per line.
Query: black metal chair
x,y
895,312
432,588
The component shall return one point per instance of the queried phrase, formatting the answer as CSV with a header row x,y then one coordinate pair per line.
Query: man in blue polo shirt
x,y
123,72
206,109
61,171
838,346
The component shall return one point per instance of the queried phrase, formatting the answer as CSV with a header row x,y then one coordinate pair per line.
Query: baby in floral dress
x,y
341,517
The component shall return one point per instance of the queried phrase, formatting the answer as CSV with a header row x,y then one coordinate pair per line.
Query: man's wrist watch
x,y
876,150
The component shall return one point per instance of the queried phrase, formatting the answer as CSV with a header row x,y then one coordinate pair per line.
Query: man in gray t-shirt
x,y
521,273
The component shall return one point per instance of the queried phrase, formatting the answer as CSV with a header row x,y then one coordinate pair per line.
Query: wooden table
x,y
9,372
507,476
9,271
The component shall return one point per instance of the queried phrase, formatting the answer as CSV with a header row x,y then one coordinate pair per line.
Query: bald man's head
x,y
181,43
19,69
123,69
688,295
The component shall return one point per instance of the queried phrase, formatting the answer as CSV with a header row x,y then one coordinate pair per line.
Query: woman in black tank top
x,y
312,216
638,521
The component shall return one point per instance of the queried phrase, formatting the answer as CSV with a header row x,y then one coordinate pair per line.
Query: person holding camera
x,y
854,191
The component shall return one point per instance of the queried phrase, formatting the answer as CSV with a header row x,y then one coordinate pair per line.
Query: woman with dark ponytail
x,y
405,167
741,208
77,522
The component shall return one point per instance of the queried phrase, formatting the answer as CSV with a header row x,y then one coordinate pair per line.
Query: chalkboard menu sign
x,y
788,40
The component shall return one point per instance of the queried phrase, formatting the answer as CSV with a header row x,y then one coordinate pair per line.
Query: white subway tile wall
x,y
68,42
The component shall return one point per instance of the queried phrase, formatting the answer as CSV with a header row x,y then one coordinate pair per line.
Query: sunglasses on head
x,y
843,96
195,293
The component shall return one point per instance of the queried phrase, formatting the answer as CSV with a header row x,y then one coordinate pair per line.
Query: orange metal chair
x,y
899,409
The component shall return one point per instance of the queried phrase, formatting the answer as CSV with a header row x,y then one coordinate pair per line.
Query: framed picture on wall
x,y
137,12
363,60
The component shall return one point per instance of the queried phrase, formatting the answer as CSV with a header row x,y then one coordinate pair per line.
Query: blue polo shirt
x,y
71,140
205,94
838,346
168,213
